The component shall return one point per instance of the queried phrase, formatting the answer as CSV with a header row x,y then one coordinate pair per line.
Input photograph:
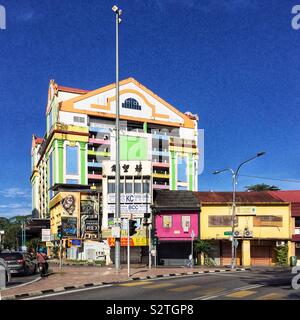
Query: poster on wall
x,y
68,203
167,221
87,207
91,225
186,223
69,227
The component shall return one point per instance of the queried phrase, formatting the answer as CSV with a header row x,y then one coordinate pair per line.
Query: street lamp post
x,y
118,13
233,218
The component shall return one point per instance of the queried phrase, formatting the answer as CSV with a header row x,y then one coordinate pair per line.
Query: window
x,y
297,222
72,181
137,187
146,187
131,104
72,160
111,187
79,119
219,221
128,187
182,169
267,221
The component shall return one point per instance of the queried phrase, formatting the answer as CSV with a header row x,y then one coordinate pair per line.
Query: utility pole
x,y
150,247
118,13
233,217
128,246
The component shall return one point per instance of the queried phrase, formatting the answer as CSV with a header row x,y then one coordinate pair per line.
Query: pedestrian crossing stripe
x,y
185,288
135,284
159,285
270,296
241,294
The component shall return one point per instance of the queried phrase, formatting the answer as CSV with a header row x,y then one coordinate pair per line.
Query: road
x,y
251,285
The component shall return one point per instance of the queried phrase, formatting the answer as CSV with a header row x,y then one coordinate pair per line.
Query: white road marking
x,y
226,292
67,292
23,284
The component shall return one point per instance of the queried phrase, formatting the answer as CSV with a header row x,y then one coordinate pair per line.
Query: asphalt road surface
x,y
17,280
250,285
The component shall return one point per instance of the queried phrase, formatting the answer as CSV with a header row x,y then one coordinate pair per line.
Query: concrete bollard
x,y
2,278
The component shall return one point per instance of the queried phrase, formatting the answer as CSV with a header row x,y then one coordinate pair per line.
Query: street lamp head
x,y
116,10
261,154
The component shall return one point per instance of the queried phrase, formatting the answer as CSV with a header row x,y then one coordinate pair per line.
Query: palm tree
x,y
203,248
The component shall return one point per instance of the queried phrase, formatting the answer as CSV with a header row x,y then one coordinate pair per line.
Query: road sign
x,y
46,235
228,233
193,234
236,243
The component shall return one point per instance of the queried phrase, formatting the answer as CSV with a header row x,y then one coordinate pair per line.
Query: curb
x,y
97,284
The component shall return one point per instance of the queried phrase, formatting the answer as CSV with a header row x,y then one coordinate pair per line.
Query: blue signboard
x,y
76,243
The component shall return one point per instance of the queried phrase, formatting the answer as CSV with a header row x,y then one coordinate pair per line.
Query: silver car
x,y
4,264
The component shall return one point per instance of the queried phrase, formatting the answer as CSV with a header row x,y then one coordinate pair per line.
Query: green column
x,y
83,157
173,166
191,172
60,162
145,127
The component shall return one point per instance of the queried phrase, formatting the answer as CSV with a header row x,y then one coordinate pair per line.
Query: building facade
x,y
263,224
158,150
292,196
177,221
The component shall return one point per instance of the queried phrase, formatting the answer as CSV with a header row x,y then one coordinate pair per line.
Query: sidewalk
x,y
72,277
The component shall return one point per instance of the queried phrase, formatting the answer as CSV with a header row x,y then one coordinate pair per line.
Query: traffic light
x,y
59,232
155,241
153,233
132,228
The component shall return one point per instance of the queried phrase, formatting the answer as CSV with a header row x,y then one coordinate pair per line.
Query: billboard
x,y
69,226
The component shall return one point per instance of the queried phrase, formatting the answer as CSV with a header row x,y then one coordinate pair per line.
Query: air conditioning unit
x,y
238,234
280,243
297,245
248,233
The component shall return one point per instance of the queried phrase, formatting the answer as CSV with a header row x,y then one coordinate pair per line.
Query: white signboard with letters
x,y
130,198
46,235
128,168
131,208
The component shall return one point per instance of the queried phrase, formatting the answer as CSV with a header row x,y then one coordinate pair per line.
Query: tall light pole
x,y
233,218
118,13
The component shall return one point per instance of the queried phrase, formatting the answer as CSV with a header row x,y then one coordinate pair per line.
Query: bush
x,y
282,255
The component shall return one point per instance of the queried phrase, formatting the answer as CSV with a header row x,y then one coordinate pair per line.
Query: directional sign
x,y
228,233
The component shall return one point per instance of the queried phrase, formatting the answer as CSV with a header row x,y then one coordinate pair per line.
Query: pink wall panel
x,y
176,232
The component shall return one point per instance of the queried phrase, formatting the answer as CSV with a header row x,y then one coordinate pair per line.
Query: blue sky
x,y
234,62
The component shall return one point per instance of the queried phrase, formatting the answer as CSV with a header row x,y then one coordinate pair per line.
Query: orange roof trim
x,y
68,104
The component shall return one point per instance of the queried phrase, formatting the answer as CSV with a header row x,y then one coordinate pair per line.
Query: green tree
x,y
203,247
282,255
12,236
262,187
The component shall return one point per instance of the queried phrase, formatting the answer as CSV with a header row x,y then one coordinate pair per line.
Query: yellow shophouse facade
x,y
263,224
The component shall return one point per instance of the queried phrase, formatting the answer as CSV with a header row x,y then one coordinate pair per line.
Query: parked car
x,y
19,262
4,264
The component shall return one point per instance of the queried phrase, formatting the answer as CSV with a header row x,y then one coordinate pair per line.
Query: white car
x,y
4,264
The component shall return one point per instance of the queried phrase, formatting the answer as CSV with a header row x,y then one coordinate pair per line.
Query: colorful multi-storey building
x,y
159,150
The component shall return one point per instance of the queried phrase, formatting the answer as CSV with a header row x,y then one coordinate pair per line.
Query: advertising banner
x,y
69,226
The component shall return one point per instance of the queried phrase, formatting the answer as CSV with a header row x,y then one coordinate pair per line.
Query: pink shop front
x,y
176,230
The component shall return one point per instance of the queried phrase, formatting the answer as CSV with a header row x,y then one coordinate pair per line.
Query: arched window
x,y
131,104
